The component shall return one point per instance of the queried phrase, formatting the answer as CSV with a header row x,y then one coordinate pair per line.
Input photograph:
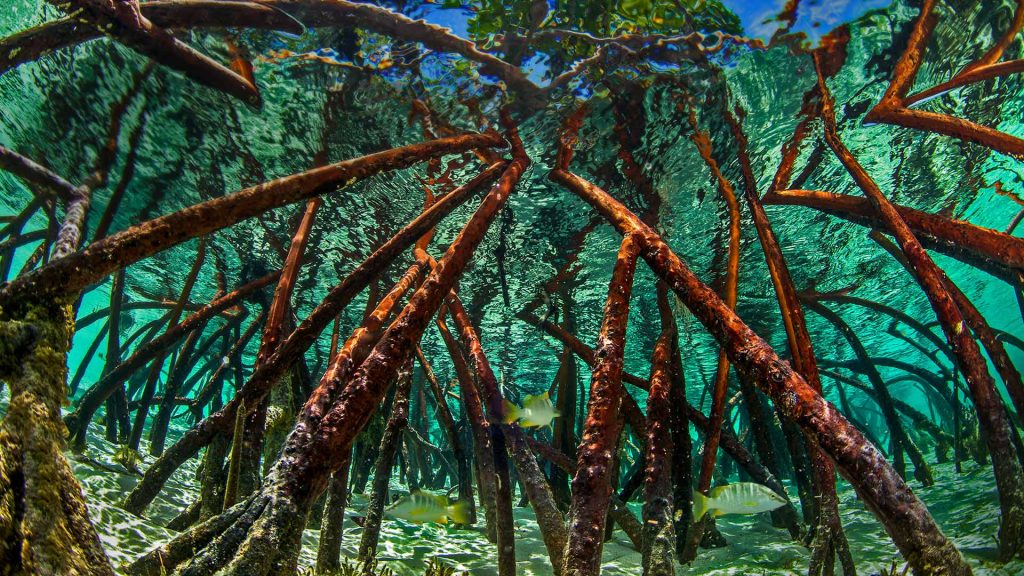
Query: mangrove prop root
x,y
156,366
617,510
44,525
905,517
729,443
982,330
272,536
268,373
992,416
34,43
79,270
894,106
126,23
829,538
591,487
549,518
659,531
273,331
382,467
78,421
999,254
328,553
488,384
447,424
721,381
33,173
479,428
901,440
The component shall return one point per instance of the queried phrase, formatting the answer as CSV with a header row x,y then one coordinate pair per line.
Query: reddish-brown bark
x,y
904,516
33,43
732,446
999,254
274,517
312,13
85,267
591,486
992,417
617,509
679,429
298,342
894,106
659,530
273,331
829,538
982,330
126,23
720,384
549,519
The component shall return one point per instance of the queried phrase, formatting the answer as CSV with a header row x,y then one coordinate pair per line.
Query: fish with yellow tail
x,y
739,498
537,412
420,507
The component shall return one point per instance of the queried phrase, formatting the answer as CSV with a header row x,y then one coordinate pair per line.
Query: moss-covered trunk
x,y
44,524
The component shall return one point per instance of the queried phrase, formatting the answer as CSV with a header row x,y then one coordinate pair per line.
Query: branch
x,y
124,21
52,185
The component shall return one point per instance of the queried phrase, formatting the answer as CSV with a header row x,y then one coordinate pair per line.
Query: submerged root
x,y
258,537
828,543
44,523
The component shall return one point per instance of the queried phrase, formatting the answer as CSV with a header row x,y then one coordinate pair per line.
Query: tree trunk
x,y
44,525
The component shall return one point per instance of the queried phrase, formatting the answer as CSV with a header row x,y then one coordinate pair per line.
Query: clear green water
x,y
197,144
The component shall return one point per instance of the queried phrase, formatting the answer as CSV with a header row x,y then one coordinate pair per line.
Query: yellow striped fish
x,y
739,498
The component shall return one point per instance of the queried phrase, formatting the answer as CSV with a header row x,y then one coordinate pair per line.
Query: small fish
x,y
739,498
537,412
128,458
420,507
240,64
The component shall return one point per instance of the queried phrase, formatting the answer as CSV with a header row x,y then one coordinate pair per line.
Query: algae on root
x,y
44,524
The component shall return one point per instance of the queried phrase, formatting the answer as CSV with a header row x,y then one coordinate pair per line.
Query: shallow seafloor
x,y
964,505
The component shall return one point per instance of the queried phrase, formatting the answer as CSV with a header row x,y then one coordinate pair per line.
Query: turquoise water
x,y
195,144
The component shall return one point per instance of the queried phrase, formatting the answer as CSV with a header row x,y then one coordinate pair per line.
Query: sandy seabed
x,y
964,505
